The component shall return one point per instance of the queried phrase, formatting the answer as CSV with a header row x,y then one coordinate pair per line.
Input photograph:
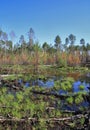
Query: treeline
x,y
31,52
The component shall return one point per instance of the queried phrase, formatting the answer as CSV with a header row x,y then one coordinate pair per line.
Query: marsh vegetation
x,y
44,87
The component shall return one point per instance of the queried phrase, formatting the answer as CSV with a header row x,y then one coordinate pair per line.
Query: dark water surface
x,y
51,81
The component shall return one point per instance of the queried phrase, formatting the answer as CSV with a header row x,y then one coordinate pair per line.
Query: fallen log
x,y
50,94
13,119
63,96
49,119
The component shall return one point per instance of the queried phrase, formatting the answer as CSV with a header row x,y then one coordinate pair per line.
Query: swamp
x,y
44,100
45,84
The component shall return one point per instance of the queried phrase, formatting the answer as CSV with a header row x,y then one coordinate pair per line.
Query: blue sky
x,y
48,18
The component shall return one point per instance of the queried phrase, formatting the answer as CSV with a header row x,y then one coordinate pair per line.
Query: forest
x,y
31,52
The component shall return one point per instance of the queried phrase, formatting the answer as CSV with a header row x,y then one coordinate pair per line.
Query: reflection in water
x,y
77,84
50,83
76,88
